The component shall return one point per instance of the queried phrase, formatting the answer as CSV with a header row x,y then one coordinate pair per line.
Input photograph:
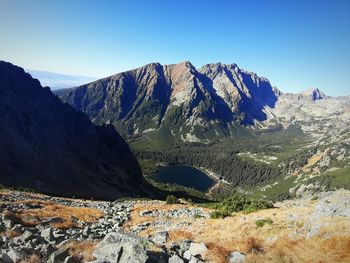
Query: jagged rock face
x,y
243,91
313,94
200,104
318,115
47,145
179,99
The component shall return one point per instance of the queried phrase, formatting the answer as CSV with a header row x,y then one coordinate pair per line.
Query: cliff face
x,y
186,102
47,145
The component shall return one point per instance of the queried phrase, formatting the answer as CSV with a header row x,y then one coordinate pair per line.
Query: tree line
x,y
227,165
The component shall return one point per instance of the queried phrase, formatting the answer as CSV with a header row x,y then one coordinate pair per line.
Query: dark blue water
x,y
184,175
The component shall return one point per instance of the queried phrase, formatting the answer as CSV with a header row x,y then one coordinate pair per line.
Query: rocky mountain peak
x,y
175,97
186,64
156,66
184,67
217,68
314,94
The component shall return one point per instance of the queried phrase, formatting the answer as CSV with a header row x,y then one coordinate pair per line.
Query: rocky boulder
x,y
120,248
237,257
198,249
161,237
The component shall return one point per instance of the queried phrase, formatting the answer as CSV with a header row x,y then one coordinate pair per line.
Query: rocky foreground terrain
x,y
39,228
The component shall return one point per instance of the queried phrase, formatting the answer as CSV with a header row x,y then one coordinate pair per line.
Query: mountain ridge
x,y
176,97
189,104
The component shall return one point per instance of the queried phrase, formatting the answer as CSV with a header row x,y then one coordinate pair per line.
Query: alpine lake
x,y
187,176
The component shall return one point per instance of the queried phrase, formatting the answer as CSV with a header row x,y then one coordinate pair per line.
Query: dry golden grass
x,y
180,235
81,250
240,233
16,218
66,213
313,250
32,217
35,202
9,233
216,253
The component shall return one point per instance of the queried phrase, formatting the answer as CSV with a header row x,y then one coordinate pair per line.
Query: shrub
x,y
171,199
264,221
198,216
239,202
282,196
219,214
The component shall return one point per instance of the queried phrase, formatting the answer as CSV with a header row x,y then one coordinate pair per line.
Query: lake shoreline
x,y
215,177
185,175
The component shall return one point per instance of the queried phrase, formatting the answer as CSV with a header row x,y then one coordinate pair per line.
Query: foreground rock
x,y
43,238
120,248
237,257
130,231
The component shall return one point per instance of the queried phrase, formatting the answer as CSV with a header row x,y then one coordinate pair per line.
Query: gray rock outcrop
x,y
120,248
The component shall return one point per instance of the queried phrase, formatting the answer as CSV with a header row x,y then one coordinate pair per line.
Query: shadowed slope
x,y
47,145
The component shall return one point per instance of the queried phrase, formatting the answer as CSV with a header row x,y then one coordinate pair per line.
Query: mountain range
x,y
204,104
47,145
59,149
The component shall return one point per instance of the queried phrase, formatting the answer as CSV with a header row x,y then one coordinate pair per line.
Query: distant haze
x,y
59,81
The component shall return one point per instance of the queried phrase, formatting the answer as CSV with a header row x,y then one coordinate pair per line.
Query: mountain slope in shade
x,y
47,145
188,103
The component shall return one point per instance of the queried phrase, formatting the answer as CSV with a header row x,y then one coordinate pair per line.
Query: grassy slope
x,y
335,179
340,177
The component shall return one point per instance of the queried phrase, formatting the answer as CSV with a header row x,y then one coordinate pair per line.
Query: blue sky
x,y
296,44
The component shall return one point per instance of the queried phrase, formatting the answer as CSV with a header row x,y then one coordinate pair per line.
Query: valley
x,y
174,131
233,170
224,119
